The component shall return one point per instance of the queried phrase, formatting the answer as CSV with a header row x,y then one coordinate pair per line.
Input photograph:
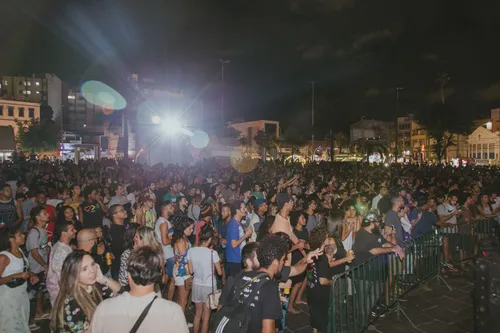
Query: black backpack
x,y
234,317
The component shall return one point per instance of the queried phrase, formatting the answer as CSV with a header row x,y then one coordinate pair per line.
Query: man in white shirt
x,y
163,231
448,212
120,314
383,192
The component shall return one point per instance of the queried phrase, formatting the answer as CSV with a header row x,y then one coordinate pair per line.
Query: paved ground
x,y
432,308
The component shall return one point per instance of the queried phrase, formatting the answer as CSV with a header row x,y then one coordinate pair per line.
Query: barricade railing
x,y
366,291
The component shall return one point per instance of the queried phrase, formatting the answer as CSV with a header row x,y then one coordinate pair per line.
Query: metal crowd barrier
x,y
365,292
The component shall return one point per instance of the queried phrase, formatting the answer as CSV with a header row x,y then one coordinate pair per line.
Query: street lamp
x,y
170,126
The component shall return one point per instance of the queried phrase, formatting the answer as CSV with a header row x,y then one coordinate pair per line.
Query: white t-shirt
x,y
202,265
446,209
119,314
54,202
168,252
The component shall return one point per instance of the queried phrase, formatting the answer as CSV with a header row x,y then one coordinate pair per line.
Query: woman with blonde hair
x,y
146,215
143,236
82,288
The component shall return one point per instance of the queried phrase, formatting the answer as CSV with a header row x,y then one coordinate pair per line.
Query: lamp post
x,y
398,89
312,121
222,63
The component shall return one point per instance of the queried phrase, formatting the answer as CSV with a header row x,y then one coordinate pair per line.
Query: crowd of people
x,y
109,246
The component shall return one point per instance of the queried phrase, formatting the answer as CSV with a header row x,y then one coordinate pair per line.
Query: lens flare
x,y
243,162
102,95
199,139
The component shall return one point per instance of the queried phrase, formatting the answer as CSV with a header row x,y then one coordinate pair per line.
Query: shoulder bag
x,y
213,297
14,283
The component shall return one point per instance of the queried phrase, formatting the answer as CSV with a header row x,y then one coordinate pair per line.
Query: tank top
x,y
168,252
150,218
181,262
348,242
15,266
8,212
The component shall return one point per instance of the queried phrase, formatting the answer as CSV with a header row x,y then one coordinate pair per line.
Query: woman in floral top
x,y
83,287
183,228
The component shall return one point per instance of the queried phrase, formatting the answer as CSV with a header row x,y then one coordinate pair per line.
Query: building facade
x,y
249,129
81,115
484,146
37,88
369,129
13,111
404,136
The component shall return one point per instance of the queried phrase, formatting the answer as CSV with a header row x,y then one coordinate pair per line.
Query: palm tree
x,y
443,78
341,140
295,138
263,140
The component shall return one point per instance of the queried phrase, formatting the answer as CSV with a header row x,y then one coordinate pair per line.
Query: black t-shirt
x,y
316,292
266,305
302,235
340,254
116,233
92,214
364,242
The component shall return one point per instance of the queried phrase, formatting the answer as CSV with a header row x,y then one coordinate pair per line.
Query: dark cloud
x,y
490,93
372,37
372,92
315,52
350,48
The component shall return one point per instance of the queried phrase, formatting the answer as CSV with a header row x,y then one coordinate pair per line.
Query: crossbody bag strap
x,y
213,269
142,316
240,287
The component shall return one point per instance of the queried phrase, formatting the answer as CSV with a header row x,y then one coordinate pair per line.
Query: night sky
x,y
357,51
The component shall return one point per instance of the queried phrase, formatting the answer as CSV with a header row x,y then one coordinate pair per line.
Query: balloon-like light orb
x,y
102,95
199,139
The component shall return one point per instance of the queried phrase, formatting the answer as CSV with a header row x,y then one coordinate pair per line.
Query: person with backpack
x,y
254,304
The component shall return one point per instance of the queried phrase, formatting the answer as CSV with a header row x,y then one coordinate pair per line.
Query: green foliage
x,y
230,133
38,136
441,123
46,112
243,141
340,140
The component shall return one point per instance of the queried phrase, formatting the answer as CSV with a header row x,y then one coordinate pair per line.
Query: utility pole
x,y
398,89
222,63
332,148
312,122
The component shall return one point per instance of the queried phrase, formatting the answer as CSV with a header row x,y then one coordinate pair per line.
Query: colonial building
x,y
12,111
37,88
484,146
369,129
249,129
404,136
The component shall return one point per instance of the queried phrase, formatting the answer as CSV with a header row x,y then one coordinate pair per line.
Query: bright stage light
x,y
171,126
155,120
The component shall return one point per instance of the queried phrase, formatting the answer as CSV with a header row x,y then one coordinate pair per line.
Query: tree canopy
x,y
38,136
441,123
